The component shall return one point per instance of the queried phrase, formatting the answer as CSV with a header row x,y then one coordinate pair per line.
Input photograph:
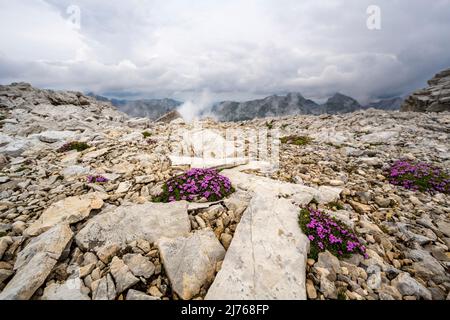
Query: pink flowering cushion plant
x,y
419,176
326,233
196,184
98,178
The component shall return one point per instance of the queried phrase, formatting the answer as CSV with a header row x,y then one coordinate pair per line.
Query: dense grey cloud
x,y
230,49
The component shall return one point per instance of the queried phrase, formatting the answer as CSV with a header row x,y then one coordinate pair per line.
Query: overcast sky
x,y
230,49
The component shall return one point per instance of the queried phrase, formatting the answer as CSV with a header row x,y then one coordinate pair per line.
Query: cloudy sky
x,y
233,49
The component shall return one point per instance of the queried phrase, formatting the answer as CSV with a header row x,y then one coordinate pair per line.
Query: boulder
x,y
127,223
103,289
139,265
51,136
69,210
170,116
267,257
5,139
138,295
122,275
327,194
15,148
190,262
132,137
75,171
35,262
95,154
72,289
409,286
380,137
4,244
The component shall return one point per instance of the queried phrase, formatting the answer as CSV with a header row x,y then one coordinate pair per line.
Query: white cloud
x,y
232,49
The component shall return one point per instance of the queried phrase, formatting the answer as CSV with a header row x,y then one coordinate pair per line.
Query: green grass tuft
x,y
336,205
297,140
146,134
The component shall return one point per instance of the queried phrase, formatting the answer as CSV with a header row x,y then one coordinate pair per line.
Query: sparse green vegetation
x,y
341,294
74,145
297,140
269,125
336,205
146,134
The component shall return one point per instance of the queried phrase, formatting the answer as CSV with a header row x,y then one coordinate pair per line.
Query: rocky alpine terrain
x,y
434,98
67,234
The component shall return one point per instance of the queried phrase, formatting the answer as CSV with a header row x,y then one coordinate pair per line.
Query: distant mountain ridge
x,y
272,106
294,104
149,108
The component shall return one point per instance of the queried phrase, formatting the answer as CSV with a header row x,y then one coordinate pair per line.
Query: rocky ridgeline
x,y
435,98
64,237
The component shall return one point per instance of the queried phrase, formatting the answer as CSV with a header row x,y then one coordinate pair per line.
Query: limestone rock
x,y
125,224
138,295
28,279
104,289
53,242
35,262
170,116
5,274
95,154
140,266
122,275
435,98
328,194
380,137
72,289
69,210
328,261
55,136
4,244
267,257
408,286
75,170
190,262
124,187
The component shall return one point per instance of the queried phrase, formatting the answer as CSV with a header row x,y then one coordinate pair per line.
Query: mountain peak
x,y
340,97
340,103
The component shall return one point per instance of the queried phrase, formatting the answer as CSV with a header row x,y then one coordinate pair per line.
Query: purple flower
x,y
325,233
196,184
419,176
97,178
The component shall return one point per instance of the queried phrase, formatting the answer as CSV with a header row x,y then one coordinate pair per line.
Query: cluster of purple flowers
x,y
98,178
196,184
419,176
325,233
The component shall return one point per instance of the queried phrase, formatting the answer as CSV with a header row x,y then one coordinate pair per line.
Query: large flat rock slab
x,y
190,262
53,242
72,289
300,194
36,262
267,257
69,210
149,221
